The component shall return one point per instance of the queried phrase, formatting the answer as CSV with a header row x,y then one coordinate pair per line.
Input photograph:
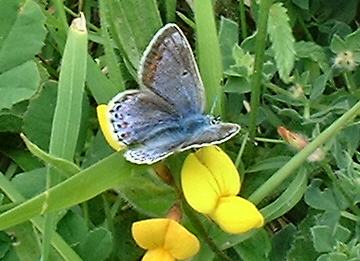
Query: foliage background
x,y
64,170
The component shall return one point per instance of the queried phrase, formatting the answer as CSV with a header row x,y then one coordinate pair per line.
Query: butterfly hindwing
x,y
136,116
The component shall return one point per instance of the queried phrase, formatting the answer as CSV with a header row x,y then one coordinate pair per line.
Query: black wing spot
x,y
184,73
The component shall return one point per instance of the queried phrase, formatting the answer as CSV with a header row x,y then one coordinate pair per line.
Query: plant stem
x,y
202,232
259,61
242,19
290,167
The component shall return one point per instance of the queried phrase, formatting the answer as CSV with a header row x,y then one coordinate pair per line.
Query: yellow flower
x,y
210,184
105,126
164,239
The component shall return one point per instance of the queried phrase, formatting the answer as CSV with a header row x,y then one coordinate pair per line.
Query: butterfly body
x,y
167,113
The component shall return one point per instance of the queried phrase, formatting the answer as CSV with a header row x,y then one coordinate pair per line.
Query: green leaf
x,y
30,183
228,38
72,228
314,52
288,199
319,85
337,44
353,40
65,166
39,116
261,241
303,4
282,242
97,245
133,23
282,40
22,32
323,200
13,88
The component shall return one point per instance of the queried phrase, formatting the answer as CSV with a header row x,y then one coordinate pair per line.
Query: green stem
x,y
241,150
259,61
292,165
349,216
242,19
202,232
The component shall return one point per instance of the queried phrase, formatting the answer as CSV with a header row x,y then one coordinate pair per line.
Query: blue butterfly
x,y
167,114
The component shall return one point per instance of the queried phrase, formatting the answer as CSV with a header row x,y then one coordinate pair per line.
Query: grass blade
x,y
67,117
209,54
108,173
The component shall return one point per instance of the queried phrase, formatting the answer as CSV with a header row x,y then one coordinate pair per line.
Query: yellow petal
x,y
158,254
199,186
237,215
180,242
103,118
222,169
150,233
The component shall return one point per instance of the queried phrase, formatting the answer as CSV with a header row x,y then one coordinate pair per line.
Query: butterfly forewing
x,y
169,70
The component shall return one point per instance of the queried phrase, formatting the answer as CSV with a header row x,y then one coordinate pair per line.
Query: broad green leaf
x,y
325,238
72,228
132,24
288,199
302,246
353,40
261,241
323,199
10,121
106,174
39,116
314,52
282,40
228,38
319,85
97,245
14,89
30,183
22,32
209,57
337,44
27,247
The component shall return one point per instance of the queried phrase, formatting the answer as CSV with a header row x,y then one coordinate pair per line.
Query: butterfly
x,y
166,114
